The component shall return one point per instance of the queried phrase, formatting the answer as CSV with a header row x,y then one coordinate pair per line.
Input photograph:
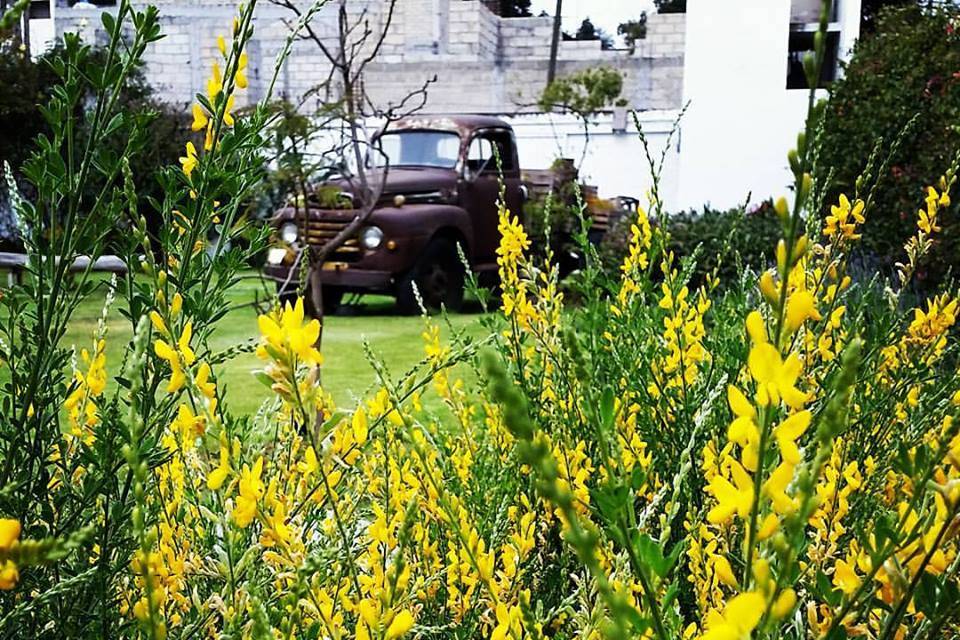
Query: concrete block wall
x,y
483,63
666,36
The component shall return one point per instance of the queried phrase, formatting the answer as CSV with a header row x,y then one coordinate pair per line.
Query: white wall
x,y
614,160
741,120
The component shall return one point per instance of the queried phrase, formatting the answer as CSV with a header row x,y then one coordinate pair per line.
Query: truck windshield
x,y
419,149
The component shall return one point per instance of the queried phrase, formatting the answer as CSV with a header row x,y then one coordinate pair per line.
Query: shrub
x,y
778,458
720,243
31,84
905,72
725,242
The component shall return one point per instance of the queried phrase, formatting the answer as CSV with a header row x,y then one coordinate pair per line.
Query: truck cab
x,y
441,184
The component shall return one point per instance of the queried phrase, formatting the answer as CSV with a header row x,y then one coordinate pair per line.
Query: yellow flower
x,y
787,433
222,46
731,498
756,328
177,357
723,570
784,603
743,430
208,389
776,378
227,115
241,78
927,220
840,216
400,625
800,307
200,119
739,618
508,620
286,331
776,488
215,83
768,527
190,161
9,534
359,424
9,575
189,426
251,490
845,578
216,477
277,530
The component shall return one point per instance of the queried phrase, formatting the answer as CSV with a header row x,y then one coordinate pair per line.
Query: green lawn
x,y
347,375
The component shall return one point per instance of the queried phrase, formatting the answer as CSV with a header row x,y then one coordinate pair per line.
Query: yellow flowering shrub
x,y
777,456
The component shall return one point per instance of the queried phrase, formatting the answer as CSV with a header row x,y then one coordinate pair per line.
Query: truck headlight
x,y
288,233
371,237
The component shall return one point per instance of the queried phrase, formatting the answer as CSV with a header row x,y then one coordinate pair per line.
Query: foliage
x,y
900,90
777,458
724,243
589,31
31,84
25,85
515,8
670,6
633,30
585,92
870,10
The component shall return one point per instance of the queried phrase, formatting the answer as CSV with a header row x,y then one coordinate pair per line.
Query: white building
x,y
728,60
743,115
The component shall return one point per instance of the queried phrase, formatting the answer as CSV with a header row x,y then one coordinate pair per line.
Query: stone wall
x,y
483,63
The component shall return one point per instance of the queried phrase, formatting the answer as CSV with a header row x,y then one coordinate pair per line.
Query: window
x,y
420,149
804,23
484,148
800,43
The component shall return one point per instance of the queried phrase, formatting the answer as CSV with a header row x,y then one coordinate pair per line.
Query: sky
x,y
606,14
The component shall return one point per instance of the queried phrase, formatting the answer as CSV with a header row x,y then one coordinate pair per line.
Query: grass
x,y
347,375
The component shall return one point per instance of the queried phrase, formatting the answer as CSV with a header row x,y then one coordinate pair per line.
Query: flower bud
x,y
176,304
806,186
783,209
769,290
799,249
810,68
794,160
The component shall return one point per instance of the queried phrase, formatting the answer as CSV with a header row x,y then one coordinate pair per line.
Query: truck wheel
x,y
332,297
438,275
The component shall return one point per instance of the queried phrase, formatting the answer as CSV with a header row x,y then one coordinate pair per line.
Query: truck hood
x,y
412,180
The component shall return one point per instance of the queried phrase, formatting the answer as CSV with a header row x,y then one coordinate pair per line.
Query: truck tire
x,y
332,297
439,277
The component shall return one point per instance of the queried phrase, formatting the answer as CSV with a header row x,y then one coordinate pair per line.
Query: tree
x,y
671,6
905,72
346,108
30,82
583,94
588,31
633,30
870,9
515,8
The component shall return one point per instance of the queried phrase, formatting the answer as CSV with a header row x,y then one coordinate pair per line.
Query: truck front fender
x,y
424,222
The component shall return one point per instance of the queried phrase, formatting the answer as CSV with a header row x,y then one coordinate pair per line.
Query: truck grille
x,y
322,231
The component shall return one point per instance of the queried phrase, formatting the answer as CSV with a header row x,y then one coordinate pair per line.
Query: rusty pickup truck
x,y
441,189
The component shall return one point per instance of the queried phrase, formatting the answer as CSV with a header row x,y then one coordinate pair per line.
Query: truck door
x,y
482,188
